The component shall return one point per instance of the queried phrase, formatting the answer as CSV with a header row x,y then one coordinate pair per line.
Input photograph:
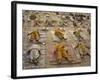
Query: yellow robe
x,y
59,34
60,53
34,35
